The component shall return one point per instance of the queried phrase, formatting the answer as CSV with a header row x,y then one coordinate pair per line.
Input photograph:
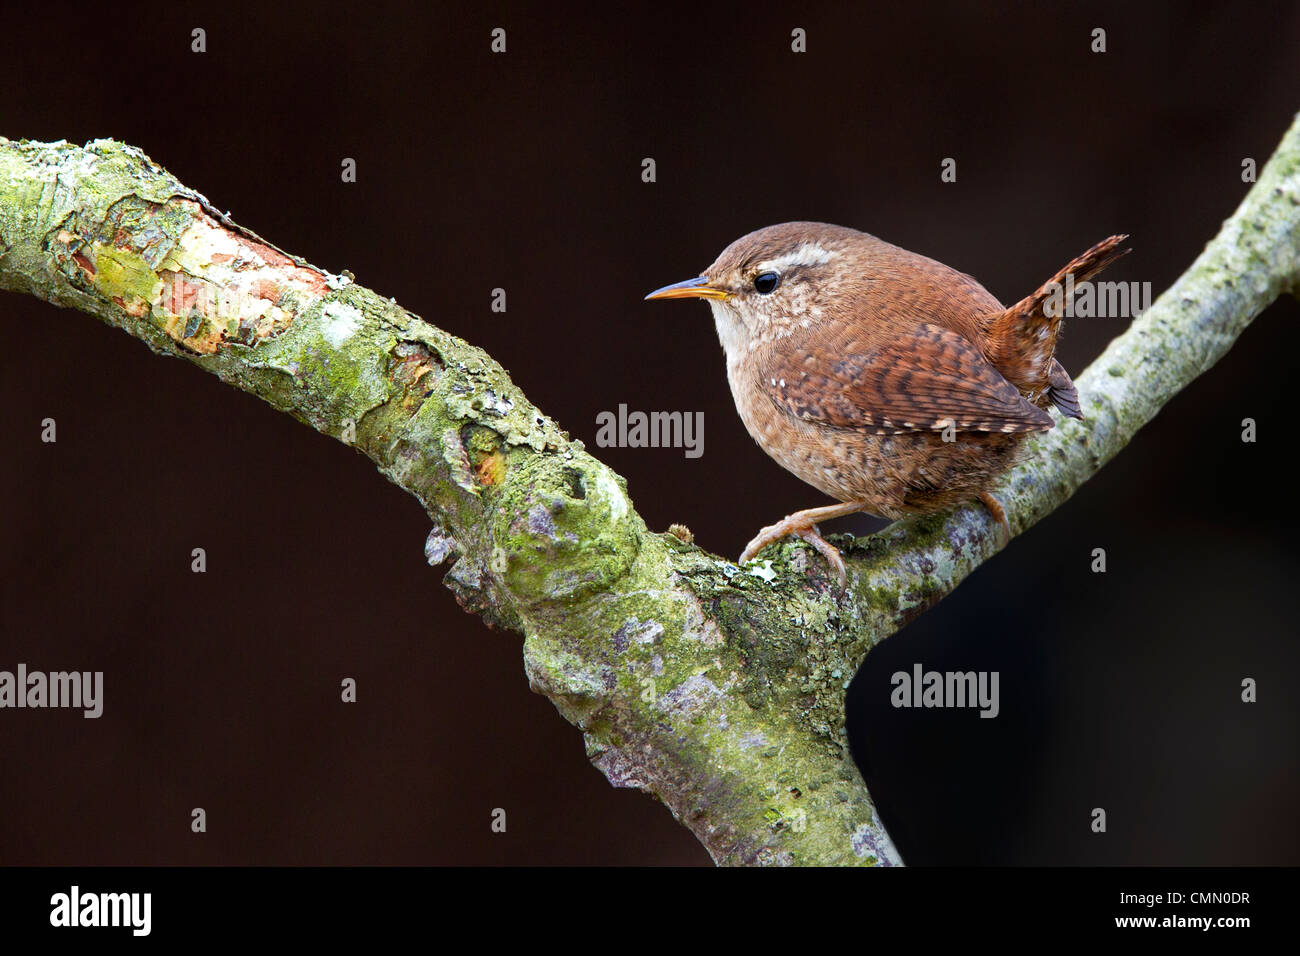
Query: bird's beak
x,y
697,288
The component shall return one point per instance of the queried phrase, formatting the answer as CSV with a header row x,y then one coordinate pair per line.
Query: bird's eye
x,y
765,283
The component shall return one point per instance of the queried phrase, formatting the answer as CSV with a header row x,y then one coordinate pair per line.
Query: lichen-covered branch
x,y
719,689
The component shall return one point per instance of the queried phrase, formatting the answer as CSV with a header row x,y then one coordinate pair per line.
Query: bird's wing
x,y
926,381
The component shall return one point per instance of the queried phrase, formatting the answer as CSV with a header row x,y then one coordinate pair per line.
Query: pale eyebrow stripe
x,y
808,254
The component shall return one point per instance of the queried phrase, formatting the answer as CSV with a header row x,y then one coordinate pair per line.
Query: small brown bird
x,y
887,380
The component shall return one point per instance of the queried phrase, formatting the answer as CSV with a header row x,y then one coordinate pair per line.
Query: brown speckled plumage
x,y
864,357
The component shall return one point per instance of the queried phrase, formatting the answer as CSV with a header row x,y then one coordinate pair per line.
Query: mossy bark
x,y
719,689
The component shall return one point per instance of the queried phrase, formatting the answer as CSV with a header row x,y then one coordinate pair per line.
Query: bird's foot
x,y
803,524
999,515
826,550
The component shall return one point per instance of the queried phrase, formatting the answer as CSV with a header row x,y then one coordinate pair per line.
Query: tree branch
x,y
719,689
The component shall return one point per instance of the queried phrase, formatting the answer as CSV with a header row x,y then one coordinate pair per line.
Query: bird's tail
x,y
1024,336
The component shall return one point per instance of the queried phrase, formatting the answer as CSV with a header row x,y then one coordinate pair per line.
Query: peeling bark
x,y
719,689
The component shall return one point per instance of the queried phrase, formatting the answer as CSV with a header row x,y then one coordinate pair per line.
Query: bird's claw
x,y
808,532
999,515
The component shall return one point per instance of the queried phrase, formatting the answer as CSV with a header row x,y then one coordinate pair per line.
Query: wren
x,y
887,380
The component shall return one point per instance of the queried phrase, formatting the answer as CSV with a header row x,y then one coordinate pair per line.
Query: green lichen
x,y
125,275
562,538
344,378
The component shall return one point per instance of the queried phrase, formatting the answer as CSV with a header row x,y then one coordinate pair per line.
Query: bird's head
x,y
772,281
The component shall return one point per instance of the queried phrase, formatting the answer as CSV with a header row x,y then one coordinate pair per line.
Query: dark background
x,y
523,171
